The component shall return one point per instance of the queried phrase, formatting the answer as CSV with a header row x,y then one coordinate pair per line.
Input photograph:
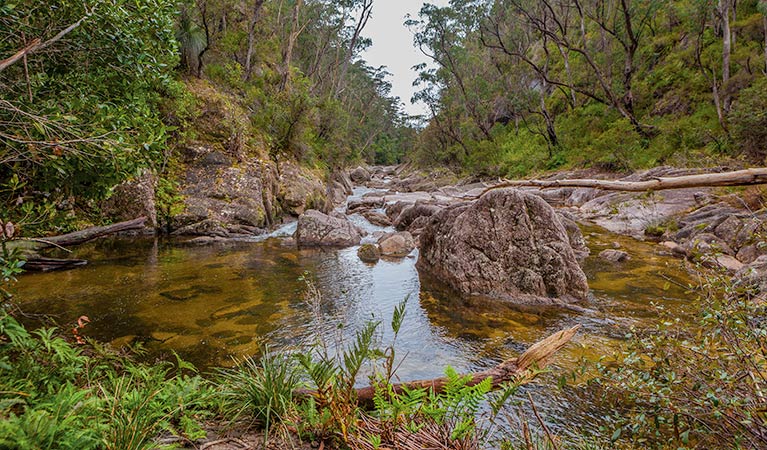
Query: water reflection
x,y
210,303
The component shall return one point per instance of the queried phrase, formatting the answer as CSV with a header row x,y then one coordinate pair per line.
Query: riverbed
x,y
214,303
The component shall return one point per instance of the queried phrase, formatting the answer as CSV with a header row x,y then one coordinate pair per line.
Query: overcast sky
x,y
393,45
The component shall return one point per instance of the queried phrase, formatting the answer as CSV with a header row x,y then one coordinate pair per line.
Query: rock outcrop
x,y
300,190
509,245
132,199
318,229
222,198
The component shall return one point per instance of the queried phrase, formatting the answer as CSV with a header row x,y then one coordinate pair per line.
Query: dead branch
x,y
37,45
737,178
515,369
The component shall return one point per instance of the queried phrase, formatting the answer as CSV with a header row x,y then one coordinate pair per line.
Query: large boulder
x,y
397,245
409,215
132,199
301,189
360,175
221,198
508,244
317,229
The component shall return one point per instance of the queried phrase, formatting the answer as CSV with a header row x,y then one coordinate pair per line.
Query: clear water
x,y
214,302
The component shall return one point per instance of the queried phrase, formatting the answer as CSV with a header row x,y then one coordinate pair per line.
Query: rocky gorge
x,y
518,244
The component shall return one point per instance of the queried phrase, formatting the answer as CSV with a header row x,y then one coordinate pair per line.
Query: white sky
x,y
393,46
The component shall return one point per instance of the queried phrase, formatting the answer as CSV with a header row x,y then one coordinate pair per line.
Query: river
x,y
212,303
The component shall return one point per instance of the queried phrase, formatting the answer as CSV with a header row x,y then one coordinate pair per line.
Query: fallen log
x,y
515,369
78,237
737,178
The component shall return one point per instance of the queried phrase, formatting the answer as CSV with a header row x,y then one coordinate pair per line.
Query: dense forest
x,y
528,85
94,92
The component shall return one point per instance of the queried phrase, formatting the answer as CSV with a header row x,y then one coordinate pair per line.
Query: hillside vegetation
x,y
93,93
522,86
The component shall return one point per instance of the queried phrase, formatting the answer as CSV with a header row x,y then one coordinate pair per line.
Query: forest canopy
x,y
524,85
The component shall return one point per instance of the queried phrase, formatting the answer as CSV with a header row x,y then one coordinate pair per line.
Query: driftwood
x,y
35,262
79,237
737,178
515,369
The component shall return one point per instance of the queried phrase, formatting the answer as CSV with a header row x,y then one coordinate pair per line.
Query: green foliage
x,y
602,100
261,390
692,386
81,115
748,120
53,395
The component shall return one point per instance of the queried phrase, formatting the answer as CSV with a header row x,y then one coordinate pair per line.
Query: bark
x,y
80,237
41,264
737,178
287,55
521,369
203,7
367,10
764,25
724,9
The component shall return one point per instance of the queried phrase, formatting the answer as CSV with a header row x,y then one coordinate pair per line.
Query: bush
x,y
748,121
701,385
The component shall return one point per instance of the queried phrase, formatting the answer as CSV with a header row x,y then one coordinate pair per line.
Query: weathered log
x,y
78,237
515,369
737,178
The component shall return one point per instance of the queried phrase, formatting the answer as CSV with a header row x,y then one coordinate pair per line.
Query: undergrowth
x,y
676,386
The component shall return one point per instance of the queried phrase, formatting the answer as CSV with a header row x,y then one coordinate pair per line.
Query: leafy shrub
x,y
692,386
748,120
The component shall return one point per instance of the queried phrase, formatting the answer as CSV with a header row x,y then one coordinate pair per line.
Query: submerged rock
x,y
318,229
508,244
369,253
614,256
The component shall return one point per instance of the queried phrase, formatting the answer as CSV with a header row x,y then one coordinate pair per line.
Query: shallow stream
x,y
214,302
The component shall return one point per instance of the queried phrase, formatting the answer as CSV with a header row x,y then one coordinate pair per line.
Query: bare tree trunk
x,y
203,7
737,178
30,246
367,10
252,38
724,10
568,71
764,24
287,56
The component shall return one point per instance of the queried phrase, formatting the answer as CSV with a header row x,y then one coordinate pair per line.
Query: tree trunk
x,y
518,369
764,25
724,10
737,178
287,56
252,38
